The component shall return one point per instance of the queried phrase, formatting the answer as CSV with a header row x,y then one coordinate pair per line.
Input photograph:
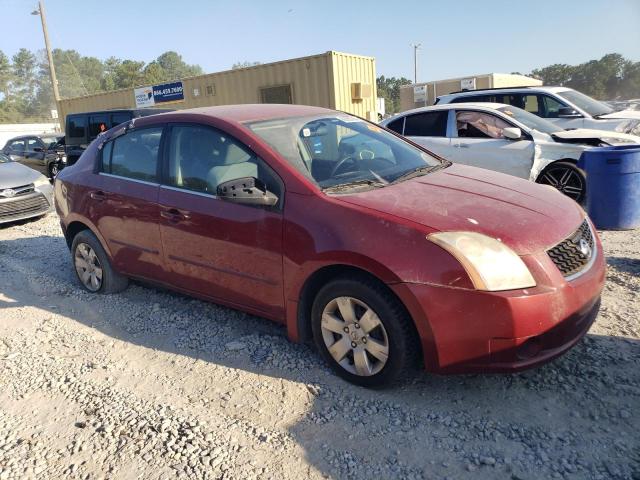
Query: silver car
x,y
24,193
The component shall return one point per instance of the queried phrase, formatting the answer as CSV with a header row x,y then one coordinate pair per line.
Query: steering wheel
x,y
339,165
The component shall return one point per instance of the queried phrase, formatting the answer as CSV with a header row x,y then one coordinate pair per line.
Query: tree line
x,y
26,94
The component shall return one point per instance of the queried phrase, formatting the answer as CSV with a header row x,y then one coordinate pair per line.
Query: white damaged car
x,y
506,139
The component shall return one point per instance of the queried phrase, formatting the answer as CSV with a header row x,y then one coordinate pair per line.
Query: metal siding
x,y
313,82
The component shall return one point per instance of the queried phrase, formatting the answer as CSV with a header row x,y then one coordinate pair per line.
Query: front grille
x,y
16,208
21,190
573,254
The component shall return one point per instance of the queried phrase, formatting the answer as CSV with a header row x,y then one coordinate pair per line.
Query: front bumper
x,y
464,331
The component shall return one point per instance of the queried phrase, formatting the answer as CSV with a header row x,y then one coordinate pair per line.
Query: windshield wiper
x,y
356,183
416,172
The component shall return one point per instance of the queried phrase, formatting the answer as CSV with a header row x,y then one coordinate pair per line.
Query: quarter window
x,y
201,158
431,124
134,155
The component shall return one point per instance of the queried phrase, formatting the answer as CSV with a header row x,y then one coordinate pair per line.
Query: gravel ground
x,y
150,384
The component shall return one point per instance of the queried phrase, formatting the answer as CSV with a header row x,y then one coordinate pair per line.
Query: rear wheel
x,y
565,177
92,265
363,332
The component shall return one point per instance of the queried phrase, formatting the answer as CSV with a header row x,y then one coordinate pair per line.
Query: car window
x,y
472,98
98,124
551,106
17,146
76,126
32,143
479,125
426,124
201,158
397,125
531,104
134,155
118,118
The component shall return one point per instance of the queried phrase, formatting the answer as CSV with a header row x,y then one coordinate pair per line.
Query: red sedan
x,y
380,252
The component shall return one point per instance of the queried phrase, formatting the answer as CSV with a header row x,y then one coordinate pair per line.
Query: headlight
x,y
41,181
490,264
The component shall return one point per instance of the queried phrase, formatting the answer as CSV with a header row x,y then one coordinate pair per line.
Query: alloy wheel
x,y
88,267
354,336
565,179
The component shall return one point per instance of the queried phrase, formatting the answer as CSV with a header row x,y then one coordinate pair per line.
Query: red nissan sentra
x,y
380,252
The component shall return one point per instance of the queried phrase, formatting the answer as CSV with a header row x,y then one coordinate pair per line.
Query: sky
x,y
458,37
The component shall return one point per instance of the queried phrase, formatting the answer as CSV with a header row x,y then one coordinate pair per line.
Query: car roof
x,y
449,106
253,112
544,88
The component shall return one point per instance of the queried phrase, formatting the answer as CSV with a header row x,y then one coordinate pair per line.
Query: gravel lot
x,y
150,384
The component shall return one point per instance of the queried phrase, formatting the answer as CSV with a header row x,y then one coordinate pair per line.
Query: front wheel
x,y
565,177
363,332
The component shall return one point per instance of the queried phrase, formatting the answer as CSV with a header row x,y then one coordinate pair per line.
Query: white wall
x,y
10,130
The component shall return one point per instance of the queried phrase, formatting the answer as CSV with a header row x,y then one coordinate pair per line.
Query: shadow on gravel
x,y
574,418
624,264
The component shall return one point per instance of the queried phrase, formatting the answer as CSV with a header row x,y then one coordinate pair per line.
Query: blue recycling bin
x,y
613,186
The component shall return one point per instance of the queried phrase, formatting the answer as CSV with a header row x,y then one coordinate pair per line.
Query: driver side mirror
x,y
568,112
248,191
512,133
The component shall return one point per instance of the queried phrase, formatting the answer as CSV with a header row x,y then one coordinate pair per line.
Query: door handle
x,y
461,145
98,196
174,215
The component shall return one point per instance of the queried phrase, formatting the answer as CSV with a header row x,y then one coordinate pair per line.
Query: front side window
x,y
32,144
552,106
426,124
335,150
479,125
133,155
201,158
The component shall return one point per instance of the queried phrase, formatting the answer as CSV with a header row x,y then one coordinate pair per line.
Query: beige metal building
x,y
423,94
335,80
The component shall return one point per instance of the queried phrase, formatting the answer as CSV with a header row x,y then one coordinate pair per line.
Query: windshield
x,y
342,150
591,106
4,158
530,120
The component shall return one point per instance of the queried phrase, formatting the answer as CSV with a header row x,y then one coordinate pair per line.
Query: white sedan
x,y
506,139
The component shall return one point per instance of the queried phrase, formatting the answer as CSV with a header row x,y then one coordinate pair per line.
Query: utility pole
x,y
52,68
415,46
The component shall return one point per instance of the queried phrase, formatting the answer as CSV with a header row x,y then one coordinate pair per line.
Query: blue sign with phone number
x,y
168,92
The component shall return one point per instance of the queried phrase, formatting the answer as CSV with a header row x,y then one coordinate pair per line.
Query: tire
x,y
54,169
397,332
575,181
98,263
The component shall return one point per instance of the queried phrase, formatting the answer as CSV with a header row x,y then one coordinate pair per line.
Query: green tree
x,y
389,89
5,74
244,64
556,74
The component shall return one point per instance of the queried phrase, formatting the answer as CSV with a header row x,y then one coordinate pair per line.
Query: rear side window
x,y
76,126
17,146
396,125
427,124
134,155
472,98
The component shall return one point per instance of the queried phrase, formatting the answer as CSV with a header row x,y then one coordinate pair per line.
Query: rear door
x,y
226,251
125,204
480,143
429,129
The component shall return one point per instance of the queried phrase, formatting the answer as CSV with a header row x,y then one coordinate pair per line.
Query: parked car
x,y
505,139
82,128
563,106
377,250
44,153
24,193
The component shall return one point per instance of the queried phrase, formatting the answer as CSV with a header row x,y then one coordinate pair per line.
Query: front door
x,y
480,143
226,251
34,155
124,202
429,129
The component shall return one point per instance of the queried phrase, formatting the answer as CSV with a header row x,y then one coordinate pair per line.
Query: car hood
x,y
590,134
525,216
15,175
628,114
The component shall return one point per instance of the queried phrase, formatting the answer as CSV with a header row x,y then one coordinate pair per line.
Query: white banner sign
x,y
144,97
468,84
420,94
